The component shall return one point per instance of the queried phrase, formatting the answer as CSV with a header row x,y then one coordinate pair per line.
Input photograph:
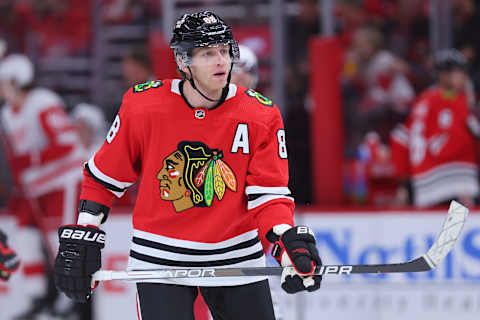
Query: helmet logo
x,y
210,19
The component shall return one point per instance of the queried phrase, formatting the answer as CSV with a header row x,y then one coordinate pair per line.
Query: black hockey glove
x,y
296,247
9,261
77,259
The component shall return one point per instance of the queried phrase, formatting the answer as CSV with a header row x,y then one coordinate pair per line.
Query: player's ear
x,y
182,66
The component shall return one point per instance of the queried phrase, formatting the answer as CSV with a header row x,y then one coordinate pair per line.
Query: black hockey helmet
x,y
449,59
201,29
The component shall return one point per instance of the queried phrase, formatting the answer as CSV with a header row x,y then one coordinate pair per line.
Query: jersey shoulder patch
x,y
259,97
142,87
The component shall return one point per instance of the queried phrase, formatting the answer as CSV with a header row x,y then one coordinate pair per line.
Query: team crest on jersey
x,y
193,175
260,98
141,87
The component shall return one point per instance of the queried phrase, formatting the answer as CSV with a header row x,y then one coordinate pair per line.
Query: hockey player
x,y
213,162
9,261
90,124
436,148
44,153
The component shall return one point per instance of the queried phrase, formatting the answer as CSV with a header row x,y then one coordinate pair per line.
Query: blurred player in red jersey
x,y
214,168
44,153
436,147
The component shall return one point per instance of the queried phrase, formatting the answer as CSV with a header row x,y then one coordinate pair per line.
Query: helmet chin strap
x,y
224,90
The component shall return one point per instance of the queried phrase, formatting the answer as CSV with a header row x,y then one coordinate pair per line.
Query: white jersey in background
x,y
45,150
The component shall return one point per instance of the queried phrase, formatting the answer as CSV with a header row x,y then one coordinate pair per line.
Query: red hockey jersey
x,y
437,149
209,178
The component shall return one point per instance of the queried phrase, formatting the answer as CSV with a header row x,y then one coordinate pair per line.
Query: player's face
x,y
172,185
458,79
211,66
8,92
133,72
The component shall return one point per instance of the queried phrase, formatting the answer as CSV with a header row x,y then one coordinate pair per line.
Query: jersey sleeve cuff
x,y
275,213
93,191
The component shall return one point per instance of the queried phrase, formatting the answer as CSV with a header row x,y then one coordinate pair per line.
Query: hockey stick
x,y
451,229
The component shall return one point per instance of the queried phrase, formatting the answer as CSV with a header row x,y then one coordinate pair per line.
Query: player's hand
x,y
78,258
9,261
296,247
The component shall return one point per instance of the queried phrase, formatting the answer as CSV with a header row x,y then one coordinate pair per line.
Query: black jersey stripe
x,y
255,196
194,264
107,185
196,252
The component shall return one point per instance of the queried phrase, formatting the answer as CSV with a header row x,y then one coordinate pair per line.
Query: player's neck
x,y
449,92
195,98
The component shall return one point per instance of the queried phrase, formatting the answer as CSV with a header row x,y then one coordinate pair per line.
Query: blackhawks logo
x,y
193,174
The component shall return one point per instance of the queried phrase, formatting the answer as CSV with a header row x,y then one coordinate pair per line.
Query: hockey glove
x,y
9,261
296,247
77,259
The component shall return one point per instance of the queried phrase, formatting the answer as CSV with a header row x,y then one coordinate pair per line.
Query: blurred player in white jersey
x,y
245,71
44,153
91,126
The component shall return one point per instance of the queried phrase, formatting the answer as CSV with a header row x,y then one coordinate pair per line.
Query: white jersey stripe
x,y
193,244
187,257
270,190
100,175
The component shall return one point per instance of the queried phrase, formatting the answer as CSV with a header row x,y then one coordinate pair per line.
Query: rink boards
x,y
355,237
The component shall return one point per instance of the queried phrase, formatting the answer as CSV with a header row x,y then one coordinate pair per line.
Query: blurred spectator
x,y
436,148
300,28
137,67
381,71
12,25
378,79
130,11
59,27
466,22
349,16
91,126
380,180
44,153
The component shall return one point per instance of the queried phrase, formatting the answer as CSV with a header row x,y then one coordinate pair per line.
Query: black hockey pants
x,y
174,302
